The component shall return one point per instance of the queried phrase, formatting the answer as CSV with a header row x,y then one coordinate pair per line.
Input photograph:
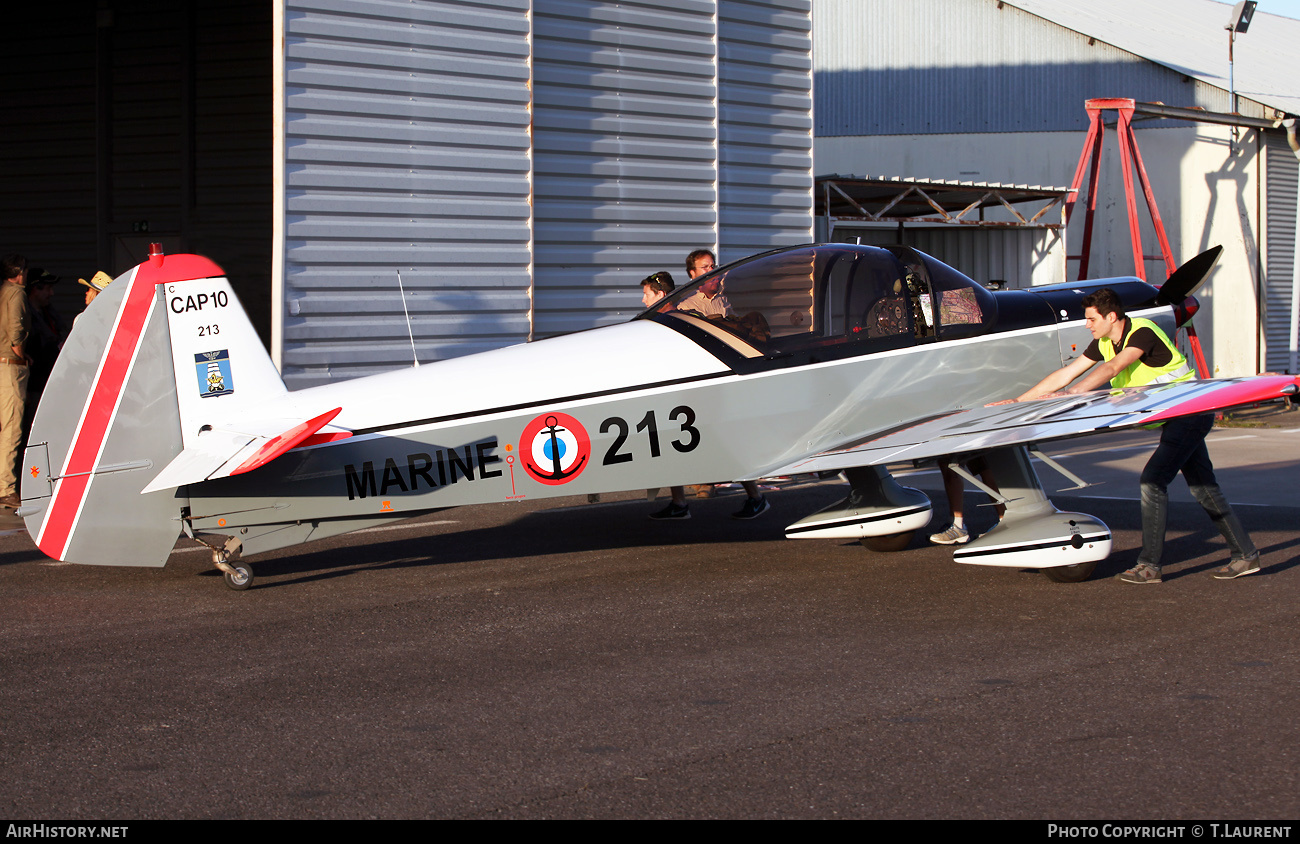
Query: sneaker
x,y
672,511
952,536
754,507
1141,573
1237,568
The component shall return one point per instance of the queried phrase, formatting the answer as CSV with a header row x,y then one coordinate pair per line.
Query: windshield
x,y
834,296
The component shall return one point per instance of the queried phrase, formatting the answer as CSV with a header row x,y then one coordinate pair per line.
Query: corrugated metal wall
x,y
1282,175
765,152
625,152
406,149
658,127
1020,257
953,66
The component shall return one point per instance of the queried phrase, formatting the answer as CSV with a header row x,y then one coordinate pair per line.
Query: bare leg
x,y
955,488
991,483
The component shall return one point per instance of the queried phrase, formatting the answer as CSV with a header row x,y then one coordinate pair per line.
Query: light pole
x,y
1239,22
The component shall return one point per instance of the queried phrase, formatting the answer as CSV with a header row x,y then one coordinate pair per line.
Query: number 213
x,y
683,415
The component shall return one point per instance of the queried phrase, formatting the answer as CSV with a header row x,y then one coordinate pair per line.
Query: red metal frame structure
x,y
1129,156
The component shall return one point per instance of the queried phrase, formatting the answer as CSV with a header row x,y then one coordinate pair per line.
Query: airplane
x,y
164,415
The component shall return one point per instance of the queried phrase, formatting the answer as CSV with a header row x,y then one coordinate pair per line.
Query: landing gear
x,y
237,573
1076,573
878,512
888,544
239,576
1033,533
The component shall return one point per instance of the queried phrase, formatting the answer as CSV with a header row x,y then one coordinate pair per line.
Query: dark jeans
x,y
1182,448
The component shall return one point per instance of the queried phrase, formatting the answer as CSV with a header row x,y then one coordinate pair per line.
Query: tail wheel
x,y
240,577
888,543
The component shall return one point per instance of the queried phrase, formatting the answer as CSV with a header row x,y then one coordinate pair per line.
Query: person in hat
x,y
95,286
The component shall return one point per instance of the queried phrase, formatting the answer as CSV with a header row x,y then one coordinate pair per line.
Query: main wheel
x,y
1076,573
241,578
889,542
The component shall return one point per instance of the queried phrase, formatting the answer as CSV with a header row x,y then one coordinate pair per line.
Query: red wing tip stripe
x,y
276,446
1251,391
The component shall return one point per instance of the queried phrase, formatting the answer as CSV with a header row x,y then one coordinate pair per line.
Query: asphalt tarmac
x,y
562,659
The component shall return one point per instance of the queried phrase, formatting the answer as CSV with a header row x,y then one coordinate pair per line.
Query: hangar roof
x,y
887,199
1189,36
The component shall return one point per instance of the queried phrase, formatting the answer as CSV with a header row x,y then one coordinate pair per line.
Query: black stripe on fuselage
x,y
469,414
1037,546
854,520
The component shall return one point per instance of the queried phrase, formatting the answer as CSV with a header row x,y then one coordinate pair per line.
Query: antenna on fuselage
x,y
409,333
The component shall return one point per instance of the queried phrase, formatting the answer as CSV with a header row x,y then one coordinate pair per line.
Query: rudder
x,y
112,413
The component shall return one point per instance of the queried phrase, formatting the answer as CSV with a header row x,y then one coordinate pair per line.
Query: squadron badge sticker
x,y
214,373
554,448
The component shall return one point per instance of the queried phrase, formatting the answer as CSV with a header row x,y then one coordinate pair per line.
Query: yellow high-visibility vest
x,y
1138,374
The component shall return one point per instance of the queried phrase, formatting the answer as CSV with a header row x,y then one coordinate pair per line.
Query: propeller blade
x,y
1188,277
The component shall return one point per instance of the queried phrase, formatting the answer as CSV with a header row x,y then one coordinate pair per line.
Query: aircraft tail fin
x,y
153,351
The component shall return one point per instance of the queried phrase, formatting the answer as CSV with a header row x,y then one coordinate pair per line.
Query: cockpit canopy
x,y
832,300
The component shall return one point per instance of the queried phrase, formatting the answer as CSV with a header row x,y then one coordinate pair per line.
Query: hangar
x,y
993,91
522,164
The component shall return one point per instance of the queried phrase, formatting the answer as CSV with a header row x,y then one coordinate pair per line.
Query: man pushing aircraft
x,y
1134,352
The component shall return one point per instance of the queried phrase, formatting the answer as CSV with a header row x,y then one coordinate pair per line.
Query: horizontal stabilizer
x,y
219,453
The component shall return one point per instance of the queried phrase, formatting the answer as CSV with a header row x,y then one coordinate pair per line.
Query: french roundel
x,y
554,448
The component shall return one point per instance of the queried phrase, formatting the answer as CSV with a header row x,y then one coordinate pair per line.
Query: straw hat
x,y
98,282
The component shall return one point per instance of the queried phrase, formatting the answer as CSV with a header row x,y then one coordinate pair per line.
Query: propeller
x,y
1188,277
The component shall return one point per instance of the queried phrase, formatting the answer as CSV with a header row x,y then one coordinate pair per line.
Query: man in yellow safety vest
x,y
1133,352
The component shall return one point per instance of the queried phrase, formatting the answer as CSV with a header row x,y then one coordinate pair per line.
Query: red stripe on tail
x,y
106,392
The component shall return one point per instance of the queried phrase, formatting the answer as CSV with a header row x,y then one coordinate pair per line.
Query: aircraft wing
x,y
1024,423
220,453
